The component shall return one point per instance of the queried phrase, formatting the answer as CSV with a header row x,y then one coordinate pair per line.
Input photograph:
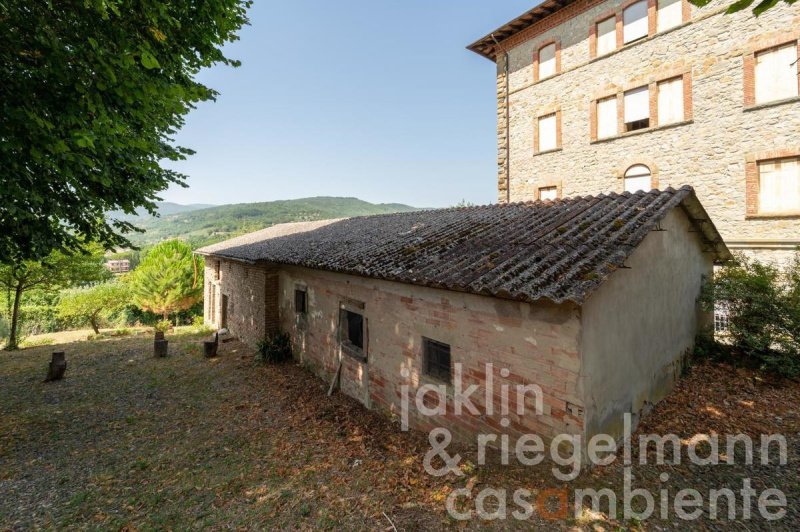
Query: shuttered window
x,y
436,359
669,14
670,101
776,73
606,36
634,20
547,133
779,186
637,109
638,177
548,193
607,118
547,61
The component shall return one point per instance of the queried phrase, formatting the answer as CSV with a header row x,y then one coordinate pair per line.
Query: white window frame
x,y
607,118
634,29
669,14
606,42
548,67
635,175
782,196
548,193
550,122
775,72
671,101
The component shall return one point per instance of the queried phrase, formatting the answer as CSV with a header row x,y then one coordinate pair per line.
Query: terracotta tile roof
x,y
559,250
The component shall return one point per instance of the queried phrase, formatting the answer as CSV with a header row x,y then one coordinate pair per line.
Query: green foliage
x,y
168,280
38,342
761,6
89,305
92,94
55,272
163,326
275,349
763,302
3,328
201,227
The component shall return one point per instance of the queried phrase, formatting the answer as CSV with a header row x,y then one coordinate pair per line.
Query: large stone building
x,y
593,300
607,95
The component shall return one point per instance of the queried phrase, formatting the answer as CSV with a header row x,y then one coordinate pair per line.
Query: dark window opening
x,y
436,359
352,332
637,124
300,300
217,271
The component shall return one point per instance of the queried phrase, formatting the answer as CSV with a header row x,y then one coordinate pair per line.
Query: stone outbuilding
x,y
594,300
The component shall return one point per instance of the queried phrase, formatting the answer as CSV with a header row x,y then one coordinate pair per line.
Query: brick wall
x,y
526,345
252,295
714,53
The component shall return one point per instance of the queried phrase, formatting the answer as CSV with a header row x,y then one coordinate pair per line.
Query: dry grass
x,y
127,440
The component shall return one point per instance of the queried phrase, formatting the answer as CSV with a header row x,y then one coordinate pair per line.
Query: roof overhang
x,y
487,46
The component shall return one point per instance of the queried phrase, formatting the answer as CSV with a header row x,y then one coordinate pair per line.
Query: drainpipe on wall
x,y
508,119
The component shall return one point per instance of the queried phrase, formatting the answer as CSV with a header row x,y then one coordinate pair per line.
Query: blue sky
x,y
374,99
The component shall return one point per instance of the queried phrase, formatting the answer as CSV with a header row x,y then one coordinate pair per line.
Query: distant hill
x,y
165,208
206,225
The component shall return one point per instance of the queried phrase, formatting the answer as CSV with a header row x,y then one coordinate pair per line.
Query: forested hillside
x,y
209,225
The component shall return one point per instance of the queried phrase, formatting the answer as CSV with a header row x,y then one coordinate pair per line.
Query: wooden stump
x,y
160,348
58,365
159,336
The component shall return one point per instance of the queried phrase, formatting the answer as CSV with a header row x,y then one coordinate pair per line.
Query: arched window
x,y
638,177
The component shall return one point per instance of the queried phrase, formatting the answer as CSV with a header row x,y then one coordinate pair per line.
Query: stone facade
x,y
714,149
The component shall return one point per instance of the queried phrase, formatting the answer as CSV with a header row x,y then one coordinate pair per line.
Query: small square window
x,y
548,193
300,301
776,73
436,359
779,186
351,329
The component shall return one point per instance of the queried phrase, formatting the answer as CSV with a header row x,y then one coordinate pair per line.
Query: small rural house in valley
x,y
593,299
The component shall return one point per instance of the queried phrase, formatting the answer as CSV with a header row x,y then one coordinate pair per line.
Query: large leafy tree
x,y
91,92
56,271
168,280
92,303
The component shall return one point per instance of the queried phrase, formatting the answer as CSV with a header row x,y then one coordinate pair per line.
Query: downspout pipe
x,y
508,119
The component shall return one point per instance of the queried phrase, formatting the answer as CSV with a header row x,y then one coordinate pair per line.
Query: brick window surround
x,y
538,49
652,22
751,177
536,149
749,63
688,108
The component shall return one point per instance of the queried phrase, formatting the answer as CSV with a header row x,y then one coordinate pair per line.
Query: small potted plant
x,y
161,327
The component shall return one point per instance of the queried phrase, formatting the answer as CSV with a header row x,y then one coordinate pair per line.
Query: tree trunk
x,y
93,319
12,339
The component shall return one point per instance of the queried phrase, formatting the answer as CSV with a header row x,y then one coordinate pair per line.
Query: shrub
x,y
163,326
763,303
275,349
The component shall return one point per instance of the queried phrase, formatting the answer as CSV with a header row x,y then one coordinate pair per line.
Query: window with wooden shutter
x,y
606,36
634,20
638,177
547,61
637,109
776,73
607,118
436,360
670,101
669,14
547,133
779,186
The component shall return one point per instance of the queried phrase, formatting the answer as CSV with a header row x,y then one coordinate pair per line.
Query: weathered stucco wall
x,y
639,324
708,152
536,344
